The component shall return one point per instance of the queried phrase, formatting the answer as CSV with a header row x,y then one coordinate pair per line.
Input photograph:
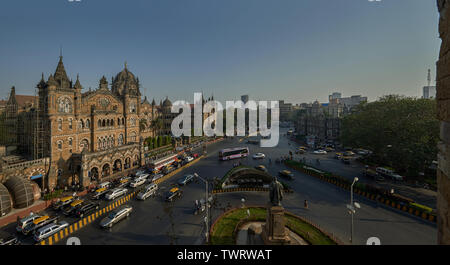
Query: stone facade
x,y
443,103
85,136
321,122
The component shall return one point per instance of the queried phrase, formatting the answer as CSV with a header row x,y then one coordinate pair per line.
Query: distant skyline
x,y
297,51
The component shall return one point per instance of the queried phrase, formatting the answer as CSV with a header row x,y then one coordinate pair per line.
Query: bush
x,y
54,194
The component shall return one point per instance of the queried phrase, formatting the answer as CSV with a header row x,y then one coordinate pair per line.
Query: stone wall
x,y
443,102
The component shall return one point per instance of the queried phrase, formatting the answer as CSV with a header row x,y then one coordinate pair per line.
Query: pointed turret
x,y
12,95
41,83
61,75
103,83
77,83
51,81
153,102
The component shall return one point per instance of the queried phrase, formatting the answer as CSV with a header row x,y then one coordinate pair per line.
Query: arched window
x,y
133,137
120,140
70,123
88,124
99,123
123,121
60,124
84,145
59,144
103,123
107,123
118,121
70,141
99,144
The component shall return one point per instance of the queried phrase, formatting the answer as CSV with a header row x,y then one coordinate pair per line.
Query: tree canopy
x,y
402,132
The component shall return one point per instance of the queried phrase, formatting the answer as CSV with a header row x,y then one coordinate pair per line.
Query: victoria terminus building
x,y
66,134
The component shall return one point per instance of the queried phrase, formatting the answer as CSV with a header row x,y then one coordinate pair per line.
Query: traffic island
x,y
244,226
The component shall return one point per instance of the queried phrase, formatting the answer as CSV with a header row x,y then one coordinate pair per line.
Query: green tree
x,y
160,141
402,132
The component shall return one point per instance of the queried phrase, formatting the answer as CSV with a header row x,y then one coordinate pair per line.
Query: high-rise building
x,y
429,91
244,98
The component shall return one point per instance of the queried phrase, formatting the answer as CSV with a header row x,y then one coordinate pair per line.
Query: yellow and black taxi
x,y
99,192
38,223
173,194
63,202
286,174
262,168
338,155
329,149
71,208
346,159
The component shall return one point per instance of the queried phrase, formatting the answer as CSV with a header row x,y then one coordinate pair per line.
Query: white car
x,y
189,159
320,152
115,193
137,182
49,230
259,156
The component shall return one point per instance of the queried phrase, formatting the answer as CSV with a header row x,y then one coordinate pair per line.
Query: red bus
x,y
157,165
231,153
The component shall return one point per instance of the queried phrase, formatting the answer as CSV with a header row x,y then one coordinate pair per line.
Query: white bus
x,y
231,153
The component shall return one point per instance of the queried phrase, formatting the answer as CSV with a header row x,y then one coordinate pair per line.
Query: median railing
x,y
370,193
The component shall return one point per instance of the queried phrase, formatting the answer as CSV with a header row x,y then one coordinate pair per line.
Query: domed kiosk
x,y
21,191
5,200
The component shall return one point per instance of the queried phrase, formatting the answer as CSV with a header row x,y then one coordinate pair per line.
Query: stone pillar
x,y
443,109
274,231
84,178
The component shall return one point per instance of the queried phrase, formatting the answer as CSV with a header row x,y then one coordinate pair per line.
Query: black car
x,y
173,194
286,174
86,209
8,239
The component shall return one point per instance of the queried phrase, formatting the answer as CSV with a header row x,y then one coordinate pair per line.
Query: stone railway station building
x,y
65,136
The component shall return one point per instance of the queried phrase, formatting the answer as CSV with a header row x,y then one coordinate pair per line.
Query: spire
x,y
61,75
41,83
429,77
126,65
51,81
12,96
103,83
77,83
153,102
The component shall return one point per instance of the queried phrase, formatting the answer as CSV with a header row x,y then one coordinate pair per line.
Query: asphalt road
x,y
156,222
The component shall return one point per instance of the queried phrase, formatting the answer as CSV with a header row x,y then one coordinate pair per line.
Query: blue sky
x,y
297,50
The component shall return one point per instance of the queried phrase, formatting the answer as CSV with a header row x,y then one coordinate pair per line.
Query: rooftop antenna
x,y
429,77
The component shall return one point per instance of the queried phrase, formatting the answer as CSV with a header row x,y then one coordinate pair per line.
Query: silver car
x,y
115,193
116,215
49,230
149,190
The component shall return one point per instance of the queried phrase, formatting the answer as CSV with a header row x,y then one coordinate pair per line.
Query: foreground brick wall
x,y
443,102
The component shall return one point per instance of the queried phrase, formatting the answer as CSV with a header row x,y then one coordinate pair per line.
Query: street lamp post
x,y
352,208
206,205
